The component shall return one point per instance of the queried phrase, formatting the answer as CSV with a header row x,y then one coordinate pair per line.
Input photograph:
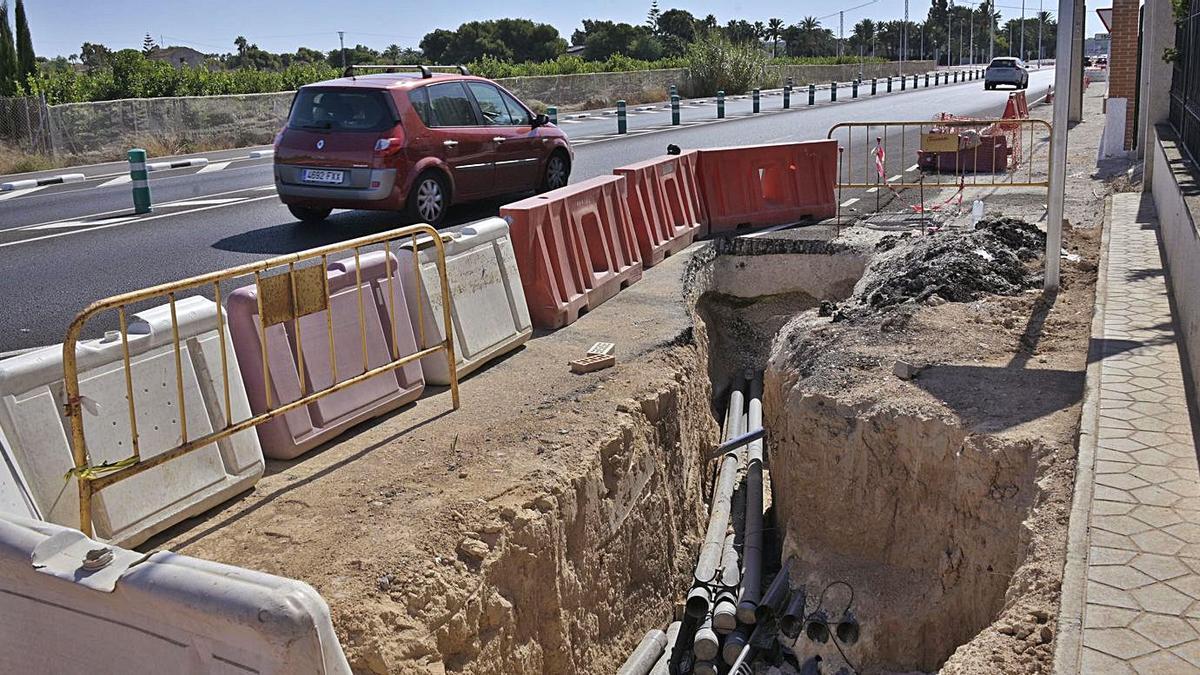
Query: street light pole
x,y
991,31
972,36
1041,20
949,31
342,42
904,40
841,32
1022,54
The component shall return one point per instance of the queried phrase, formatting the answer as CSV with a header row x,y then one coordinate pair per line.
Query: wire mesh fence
x,y
107,129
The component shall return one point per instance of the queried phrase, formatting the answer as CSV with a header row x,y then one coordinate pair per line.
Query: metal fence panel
x,y
1185,81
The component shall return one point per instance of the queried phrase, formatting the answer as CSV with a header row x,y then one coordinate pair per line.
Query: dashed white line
x,y
895,178
850,202
206,202
872,190
215,166
911,168
67,224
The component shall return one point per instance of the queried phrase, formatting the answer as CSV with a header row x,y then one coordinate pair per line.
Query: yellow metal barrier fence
x,y
282,297
946,152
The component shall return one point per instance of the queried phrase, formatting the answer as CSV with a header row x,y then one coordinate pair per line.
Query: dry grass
x,y
14,160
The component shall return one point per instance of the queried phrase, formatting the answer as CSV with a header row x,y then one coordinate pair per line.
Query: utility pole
x,y
1041,20
1022,55
342,42
960,41
904,40
841,32
972,36
991,31
922,57
949,31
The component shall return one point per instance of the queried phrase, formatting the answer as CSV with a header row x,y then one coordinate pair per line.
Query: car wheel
x,y
429,199
557,173
309,215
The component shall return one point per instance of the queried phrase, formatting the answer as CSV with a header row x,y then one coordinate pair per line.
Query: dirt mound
x,y
955,266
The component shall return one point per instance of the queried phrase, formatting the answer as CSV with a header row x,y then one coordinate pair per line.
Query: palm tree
x,y
810,26
864,34
774,28
392,54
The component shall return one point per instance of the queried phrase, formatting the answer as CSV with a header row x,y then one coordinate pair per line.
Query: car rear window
x,y
1004,63
341,110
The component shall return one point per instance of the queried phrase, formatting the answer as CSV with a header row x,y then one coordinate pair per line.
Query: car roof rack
x,y
426,71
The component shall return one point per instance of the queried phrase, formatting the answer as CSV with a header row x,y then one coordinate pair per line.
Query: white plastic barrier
x,y
487,304
150,613
15,499
129,512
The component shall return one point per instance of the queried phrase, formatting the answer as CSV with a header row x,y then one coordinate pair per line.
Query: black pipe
x,y
775,597
793,617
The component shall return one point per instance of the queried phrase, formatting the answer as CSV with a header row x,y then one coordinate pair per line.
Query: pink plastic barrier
x,y
298,431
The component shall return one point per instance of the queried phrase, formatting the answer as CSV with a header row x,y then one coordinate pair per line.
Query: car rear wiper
x,y
317,125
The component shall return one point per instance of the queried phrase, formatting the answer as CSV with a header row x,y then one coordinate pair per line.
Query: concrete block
x,y
487,305
129,512
151,613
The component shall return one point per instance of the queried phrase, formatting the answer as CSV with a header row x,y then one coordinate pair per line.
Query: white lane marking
x,y
216,166
119,180
849,202
206,202
265,187
68,224
122,221
570,122
895,178
17,193
872,190
911,168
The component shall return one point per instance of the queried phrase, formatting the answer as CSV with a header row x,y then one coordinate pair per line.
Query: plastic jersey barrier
x,y
575,248
487,304
16,499
664,203
760,185
297,431
33,420
150,613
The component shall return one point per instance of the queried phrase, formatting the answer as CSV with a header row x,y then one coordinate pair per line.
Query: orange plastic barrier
x,y
575,248
665,203
1017,106
759,185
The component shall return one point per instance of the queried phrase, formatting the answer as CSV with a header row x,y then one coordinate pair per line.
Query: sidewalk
x,y
1141,611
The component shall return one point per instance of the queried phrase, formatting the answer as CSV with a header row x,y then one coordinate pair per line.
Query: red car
x,y
413,142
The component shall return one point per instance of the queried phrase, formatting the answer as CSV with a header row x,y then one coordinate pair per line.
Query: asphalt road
x,y
66,246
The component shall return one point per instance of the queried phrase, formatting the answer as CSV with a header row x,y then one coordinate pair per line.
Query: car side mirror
x,y
540,121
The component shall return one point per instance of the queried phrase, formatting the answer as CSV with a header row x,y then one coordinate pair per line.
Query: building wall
x,y
1122,63
1176,189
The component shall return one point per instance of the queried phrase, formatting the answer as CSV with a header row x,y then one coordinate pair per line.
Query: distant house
x,y
179,56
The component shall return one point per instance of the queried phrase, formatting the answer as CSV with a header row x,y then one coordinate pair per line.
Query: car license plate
x,y
321,176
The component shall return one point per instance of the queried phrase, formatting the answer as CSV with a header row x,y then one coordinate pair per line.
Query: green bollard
x,y
720,104
674,91
874,85
787,97
926,80
552,113
854,89
956,77
889,84
812,94
915,82
755,96
675,110
833,92
903,83
141,182
622,127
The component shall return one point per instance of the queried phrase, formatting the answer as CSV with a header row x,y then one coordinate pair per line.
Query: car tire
x,y
429,199
309,215
557,172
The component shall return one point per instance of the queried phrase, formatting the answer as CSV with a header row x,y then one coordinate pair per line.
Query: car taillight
x,y
389,146
278,138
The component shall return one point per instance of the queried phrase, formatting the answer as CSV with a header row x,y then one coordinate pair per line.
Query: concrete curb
x,y
1068,647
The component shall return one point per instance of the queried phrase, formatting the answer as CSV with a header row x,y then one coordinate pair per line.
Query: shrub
x,y
718,64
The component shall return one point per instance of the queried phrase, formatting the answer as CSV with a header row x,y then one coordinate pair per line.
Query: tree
x,y
676,30
739,31
513,40
774,29
602,39
864,36
26,61
652,16
240,42
148,44
94,55
8,54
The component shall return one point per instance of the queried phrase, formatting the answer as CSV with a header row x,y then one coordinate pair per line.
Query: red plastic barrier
x,y
575,248
759,185
665,203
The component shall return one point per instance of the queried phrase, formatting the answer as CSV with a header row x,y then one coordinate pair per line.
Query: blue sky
x,y
60,26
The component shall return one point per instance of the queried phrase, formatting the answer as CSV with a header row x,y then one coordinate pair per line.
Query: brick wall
x,y
1122,62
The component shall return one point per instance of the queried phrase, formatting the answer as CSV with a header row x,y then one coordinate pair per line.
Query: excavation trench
x,y
929,521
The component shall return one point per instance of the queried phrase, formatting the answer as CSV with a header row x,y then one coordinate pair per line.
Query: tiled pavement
x,y
1142,611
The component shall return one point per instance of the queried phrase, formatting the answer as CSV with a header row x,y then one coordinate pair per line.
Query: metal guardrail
x,y
941,160
283,297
